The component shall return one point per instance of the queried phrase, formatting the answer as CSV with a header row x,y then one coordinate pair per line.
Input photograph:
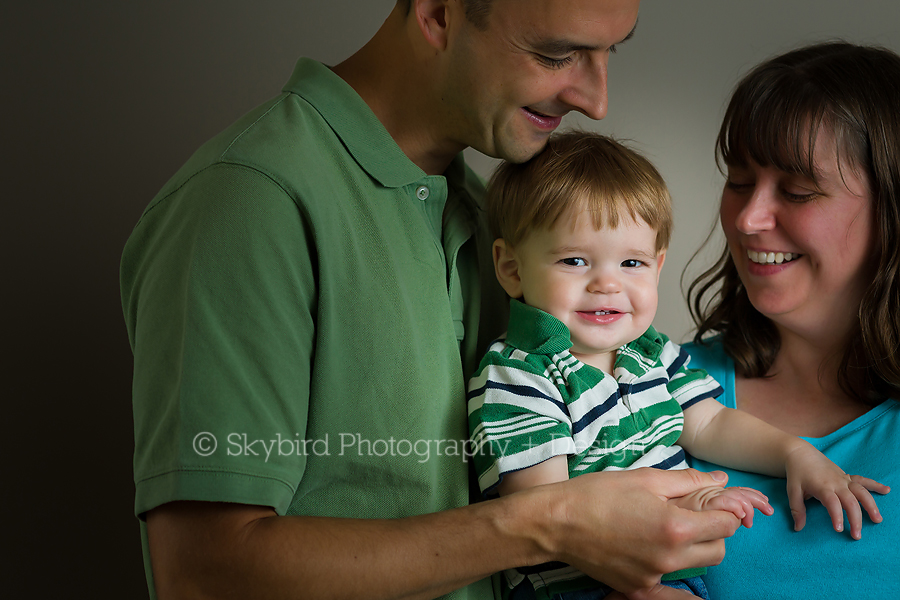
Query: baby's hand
x,y
739,501
810,474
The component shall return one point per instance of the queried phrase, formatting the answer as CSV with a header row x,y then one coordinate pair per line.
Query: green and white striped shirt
x,y
531,400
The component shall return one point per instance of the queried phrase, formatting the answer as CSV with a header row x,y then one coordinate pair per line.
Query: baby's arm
x,y
738,440
552,470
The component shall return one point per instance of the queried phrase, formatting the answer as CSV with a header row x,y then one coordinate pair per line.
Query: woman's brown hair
x,y
773,119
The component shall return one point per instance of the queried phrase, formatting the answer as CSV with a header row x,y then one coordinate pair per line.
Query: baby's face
x,y
601,283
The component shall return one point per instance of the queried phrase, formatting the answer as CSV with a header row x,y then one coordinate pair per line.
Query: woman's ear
x,y
506,267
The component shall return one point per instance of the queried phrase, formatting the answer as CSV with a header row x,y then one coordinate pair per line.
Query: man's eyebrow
x,y
630,34
558,47
625,39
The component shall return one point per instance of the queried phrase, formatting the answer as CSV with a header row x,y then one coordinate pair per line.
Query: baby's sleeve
x,y
687,386
517,417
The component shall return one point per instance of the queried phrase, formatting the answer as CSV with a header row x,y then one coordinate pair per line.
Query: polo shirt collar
x,y
366,139
537,332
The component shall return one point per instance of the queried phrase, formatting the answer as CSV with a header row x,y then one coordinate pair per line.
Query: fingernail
x,y
719,475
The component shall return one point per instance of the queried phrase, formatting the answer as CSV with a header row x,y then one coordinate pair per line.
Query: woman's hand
x,y
740,501
811,475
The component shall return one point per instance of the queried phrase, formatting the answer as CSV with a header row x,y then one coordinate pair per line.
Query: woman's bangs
x,y
768,130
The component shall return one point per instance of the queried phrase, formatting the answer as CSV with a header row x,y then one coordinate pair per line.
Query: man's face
x,y
508,86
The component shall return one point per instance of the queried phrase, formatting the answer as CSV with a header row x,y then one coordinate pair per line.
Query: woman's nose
x,y
758,213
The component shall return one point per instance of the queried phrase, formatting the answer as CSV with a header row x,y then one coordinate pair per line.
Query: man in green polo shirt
x,y
305,299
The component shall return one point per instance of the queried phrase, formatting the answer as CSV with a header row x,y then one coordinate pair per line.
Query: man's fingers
x,y
658,592
705,553
673,484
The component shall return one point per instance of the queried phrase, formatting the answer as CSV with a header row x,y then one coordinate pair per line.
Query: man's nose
x,y
588,94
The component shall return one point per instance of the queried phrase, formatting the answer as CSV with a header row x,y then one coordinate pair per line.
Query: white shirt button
x,y
422,192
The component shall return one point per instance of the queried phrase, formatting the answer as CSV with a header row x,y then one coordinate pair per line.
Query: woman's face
x,y
802,248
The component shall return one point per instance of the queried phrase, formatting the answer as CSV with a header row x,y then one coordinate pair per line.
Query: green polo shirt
x,y
303,303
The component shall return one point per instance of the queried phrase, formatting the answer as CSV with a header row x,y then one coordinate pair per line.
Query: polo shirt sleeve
x,y
517,419
687,386
218,291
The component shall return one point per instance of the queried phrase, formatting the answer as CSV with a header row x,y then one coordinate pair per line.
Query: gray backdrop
x,y
103,100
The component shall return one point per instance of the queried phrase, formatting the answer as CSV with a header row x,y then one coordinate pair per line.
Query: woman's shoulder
x,y
709,354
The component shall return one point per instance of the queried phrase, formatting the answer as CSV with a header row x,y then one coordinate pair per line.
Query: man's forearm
x,y
216,550
616,527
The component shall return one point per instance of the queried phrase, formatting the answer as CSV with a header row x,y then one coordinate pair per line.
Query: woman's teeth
x,y
771,258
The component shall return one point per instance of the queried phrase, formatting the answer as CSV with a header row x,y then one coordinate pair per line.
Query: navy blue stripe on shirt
x,y
595,412
672,461
634,388
710,394
677,363
518,390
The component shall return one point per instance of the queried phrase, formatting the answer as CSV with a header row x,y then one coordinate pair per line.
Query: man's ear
x,y
433,18
660,259
506,267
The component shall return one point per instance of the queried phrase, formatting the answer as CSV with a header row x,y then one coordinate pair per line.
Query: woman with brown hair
x,y
799,320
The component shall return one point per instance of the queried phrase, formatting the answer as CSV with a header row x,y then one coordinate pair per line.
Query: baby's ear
x,y
660,259
506,267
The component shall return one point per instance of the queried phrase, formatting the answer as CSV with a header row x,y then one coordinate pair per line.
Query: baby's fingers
x,y
798,506
854,513
758,500
870,484
865,498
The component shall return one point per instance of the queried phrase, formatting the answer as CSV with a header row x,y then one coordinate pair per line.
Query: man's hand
x,y
619,527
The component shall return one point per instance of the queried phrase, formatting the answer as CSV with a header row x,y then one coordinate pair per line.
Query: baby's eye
x,y
574,262
631,263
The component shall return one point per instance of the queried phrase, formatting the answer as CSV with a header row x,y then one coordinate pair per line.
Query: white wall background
x,y
104,99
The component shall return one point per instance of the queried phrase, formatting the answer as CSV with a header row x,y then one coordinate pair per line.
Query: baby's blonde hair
x,y
578,171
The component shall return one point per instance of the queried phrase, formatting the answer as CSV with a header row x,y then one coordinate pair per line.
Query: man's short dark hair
x,y
477,11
